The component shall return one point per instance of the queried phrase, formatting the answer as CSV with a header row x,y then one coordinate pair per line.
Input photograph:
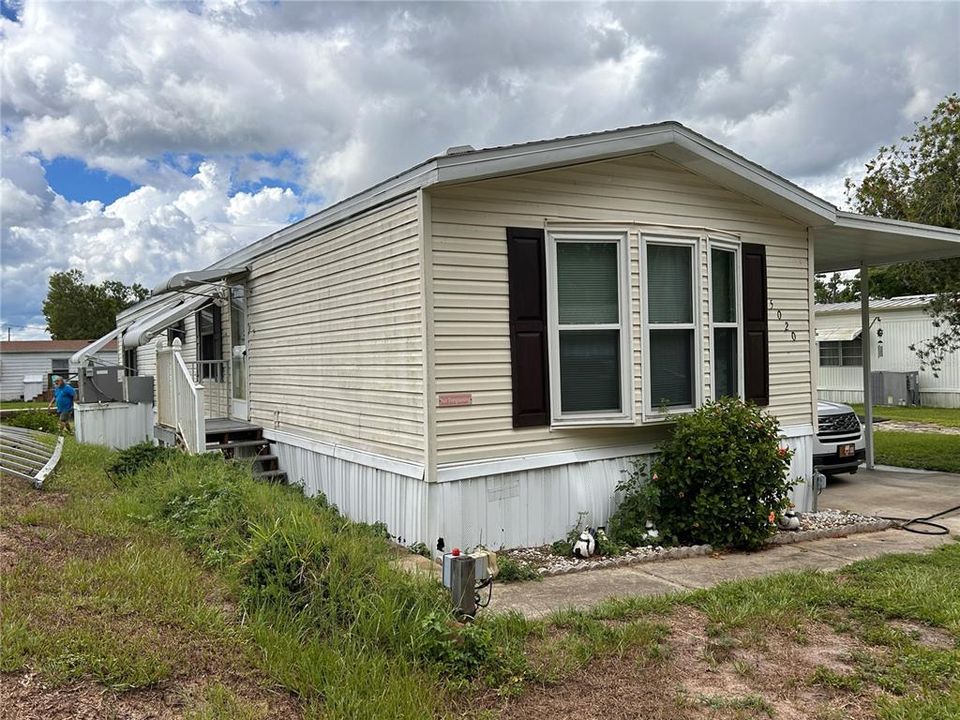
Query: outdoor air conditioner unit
x,y
101,383
895,388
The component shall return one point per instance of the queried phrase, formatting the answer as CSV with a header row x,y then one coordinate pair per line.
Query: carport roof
x,y
853,240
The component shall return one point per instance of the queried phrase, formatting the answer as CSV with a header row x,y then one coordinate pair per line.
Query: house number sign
x,y
454,399
786,323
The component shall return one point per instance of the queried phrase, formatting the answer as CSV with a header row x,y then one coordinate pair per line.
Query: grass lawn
x,y
946,417
926,451
22,405
187,589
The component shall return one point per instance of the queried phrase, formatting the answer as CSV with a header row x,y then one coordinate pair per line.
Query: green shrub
x,y
457,650
511,570
718,479
137,457
34,420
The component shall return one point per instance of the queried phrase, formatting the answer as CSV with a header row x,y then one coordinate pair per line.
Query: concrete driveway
x,y
896,492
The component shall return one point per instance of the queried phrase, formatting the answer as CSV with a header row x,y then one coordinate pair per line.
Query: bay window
x,y
572,304
589,326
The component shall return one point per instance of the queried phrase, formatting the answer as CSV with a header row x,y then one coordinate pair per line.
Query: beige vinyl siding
x,y
470,292
335,341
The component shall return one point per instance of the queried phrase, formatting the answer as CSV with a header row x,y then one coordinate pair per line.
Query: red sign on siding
x,y
454,399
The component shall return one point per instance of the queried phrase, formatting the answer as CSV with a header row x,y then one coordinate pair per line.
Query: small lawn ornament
x,y
586,544
652,532
789,521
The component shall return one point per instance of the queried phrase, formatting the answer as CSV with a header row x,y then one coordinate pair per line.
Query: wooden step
x,y
265,463
230,444
276,476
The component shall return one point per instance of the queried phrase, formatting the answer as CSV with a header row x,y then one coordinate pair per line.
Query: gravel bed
x,y
813,526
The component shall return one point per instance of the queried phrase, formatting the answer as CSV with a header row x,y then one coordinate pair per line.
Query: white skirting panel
x,y
529,507
361,492
117,425
517,509
801,469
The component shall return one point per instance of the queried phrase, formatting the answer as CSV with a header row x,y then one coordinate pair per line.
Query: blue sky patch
x,y
75,181
11,9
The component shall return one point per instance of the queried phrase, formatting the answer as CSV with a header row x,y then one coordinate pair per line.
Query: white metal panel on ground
x,y
360,492
470,290
335,336
117,425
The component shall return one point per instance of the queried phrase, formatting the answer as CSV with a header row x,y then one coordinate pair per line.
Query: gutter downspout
x,y
867,351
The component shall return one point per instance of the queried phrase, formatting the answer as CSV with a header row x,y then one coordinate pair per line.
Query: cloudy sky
x,y
141,139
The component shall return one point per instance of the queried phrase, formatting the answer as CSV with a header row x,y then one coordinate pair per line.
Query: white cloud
x,y
347,94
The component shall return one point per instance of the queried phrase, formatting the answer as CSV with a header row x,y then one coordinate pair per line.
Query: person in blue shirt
x,y
63,395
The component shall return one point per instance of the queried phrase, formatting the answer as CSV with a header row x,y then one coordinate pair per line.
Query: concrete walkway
x,y
583,590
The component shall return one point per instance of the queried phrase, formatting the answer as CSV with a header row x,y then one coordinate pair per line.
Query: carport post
x,y
867,349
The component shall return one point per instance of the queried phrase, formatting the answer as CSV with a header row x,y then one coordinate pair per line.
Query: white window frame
x,y
652,412
626,414
727,245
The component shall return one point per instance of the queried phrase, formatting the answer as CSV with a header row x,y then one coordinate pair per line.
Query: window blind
x,y
669,284
587,288
724,280
671,367
590,370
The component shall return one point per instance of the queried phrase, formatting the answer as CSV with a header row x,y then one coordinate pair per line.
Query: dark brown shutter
x,y
756,353
526,263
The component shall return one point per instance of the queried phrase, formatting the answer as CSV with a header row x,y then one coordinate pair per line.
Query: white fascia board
x,y
712,158
380,194
871,223
518,159
361,457
450,472
674,141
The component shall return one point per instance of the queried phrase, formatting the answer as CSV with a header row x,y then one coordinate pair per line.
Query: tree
x,y
76,310
919,181
836,289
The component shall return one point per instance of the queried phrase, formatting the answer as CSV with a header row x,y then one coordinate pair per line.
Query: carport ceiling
x,y
857,239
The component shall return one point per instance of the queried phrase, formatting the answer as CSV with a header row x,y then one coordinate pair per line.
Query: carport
x,y
859,242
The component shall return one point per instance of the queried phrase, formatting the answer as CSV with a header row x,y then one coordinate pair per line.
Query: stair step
x,y
277,476
264,459
236,444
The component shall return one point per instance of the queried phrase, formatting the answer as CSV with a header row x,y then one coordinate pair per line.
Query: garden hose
x,y
938,529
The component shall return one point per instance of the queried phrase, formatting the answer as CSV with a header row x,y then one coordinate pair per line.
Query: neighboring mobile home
x,y
895,325
20,359
476,348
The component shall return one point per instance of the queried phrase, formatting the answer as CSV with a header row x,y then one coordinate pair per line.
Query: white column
x,y
867,352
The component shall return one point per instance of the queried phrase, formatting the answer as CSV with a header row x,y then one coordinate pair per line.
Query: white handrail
x,y
179,398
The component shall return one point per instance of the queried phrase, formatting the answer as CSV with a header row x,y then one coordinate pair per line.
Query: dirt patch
x,y
26,697
704,677
51,545
925,634
18,496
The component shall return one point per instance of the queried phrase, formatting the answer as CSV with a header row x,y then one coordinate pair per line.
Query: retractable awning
x,y
844,332
181,305
80,356
184,280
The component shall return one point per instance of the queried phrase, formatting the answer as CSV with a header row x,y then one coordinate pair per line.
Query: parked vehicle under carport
x,y
839,445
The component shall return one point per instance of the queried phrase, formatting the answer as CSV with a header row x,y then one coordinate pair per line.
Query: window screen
x,y
588,326
670,314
